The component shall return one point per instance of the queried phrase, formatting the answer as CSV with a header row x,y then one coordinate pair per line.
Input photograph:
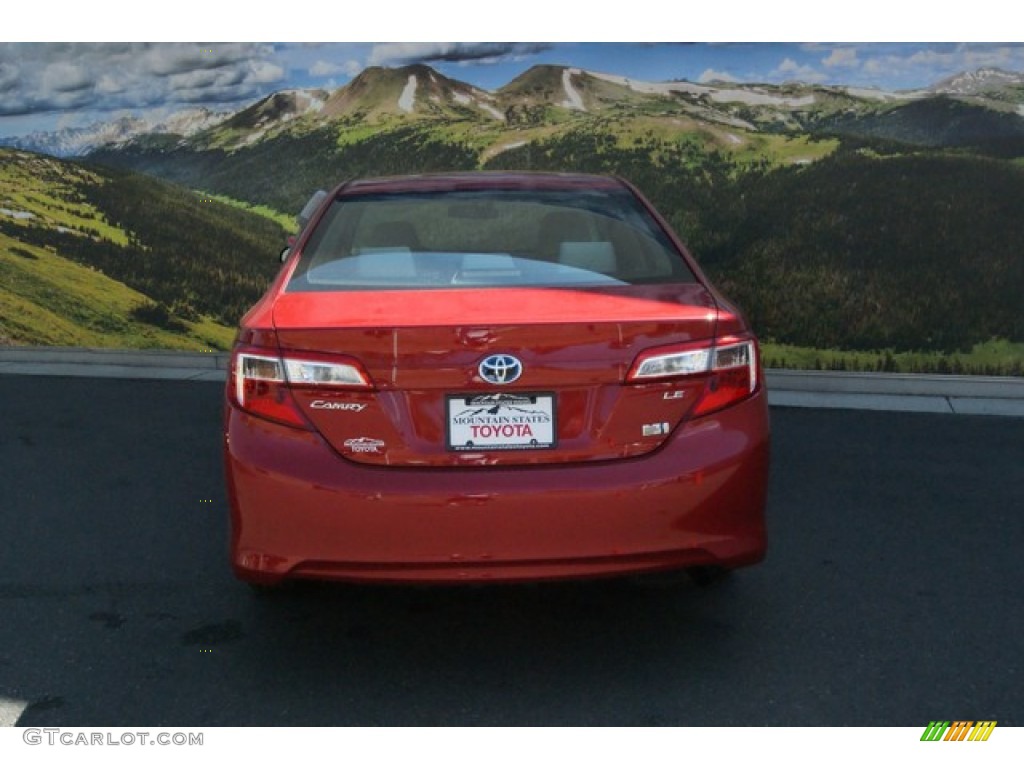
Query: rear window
x,y
487,238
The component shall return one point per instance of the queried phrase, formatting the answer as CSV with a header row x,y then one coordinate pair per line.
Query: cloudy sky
x,y
44,86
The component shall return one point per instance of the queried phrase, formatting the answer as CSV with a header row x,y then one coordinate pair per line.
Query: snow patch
x,y
760,98
879,95
573,99
253,137
733,138
407,100
742,95
17,214
310,104
872,93
641,86
190,121
736,122
465,98
491,111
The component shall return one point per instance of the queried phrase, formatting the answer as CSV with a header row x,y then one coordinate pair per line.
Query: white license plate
x,y
503,421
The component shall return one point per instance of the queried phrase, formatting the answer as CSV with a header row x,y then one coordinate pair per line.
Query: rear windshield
x,y
489,238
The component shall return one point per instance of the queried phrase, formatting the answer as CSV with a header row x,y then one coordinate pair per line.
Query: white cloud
x,y
63,78
9,74
264,72
321,68
842,57
69,99
711,75
174,58
108,85
789,70
204,78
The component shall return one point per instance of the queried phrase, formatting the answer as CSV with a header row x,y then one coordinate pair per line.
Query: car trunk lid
x,y
431,404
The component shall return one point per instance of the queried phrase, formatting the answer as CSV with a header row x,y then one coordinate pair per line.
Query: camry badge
x,y
500,369
330,405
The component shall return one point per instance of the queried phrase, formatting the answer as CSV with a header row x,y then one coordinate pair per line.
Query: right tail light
x,y
729,366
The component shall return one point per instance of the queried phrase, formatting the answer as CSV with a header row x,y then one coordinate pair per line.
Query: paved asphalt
x,y
893,593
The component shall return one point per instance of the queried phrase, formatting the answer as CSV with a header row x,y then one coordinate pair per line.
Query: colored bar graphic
x,y
935,730
958,730
982,730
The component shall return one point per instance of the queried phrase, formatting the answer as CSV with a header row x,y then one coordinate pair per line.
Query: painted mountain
x,y
553,95
75,142
414,118
885,226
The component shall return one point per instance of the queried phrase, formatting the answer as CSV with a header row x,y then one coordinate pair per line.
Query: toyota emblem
x,y
500,369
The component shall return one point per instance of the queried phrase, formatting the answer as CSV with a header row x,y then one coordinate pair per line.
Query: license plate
x,y
501,421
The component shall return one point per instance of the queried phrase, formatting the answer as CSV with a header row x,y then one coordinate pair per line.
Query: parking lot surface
x,y
893,592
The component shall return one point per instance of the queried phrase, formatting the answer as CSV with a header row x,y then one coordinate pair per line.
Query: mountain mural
x,y
550,94
879,229
435,123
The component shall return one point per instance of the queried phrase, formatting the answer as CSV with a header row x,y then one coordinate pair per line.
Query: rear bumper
x,y
298,510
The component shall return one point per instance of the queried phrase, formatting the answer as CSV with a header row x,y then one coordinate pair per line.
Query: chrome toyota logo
x,y
500,369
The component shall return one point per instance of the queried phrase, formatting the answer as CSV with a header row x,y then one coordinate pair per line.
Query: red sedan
x,y
492,377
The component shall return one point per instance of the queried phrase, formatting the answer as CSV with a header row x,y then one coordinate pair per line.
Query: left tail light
x,y
728,365
261,379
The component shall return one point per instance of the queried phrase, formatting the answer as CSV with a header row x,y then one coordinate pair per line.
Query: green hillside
x,y
93,257
48,300
905,252
935,122
282,172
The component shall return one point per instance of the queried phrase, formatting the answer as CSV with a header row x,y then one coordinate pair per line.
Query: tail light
x,y
729,367
260,380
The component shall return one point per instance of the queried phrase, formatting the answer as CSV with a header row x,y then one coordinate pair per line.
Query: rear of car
x,y
480,377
